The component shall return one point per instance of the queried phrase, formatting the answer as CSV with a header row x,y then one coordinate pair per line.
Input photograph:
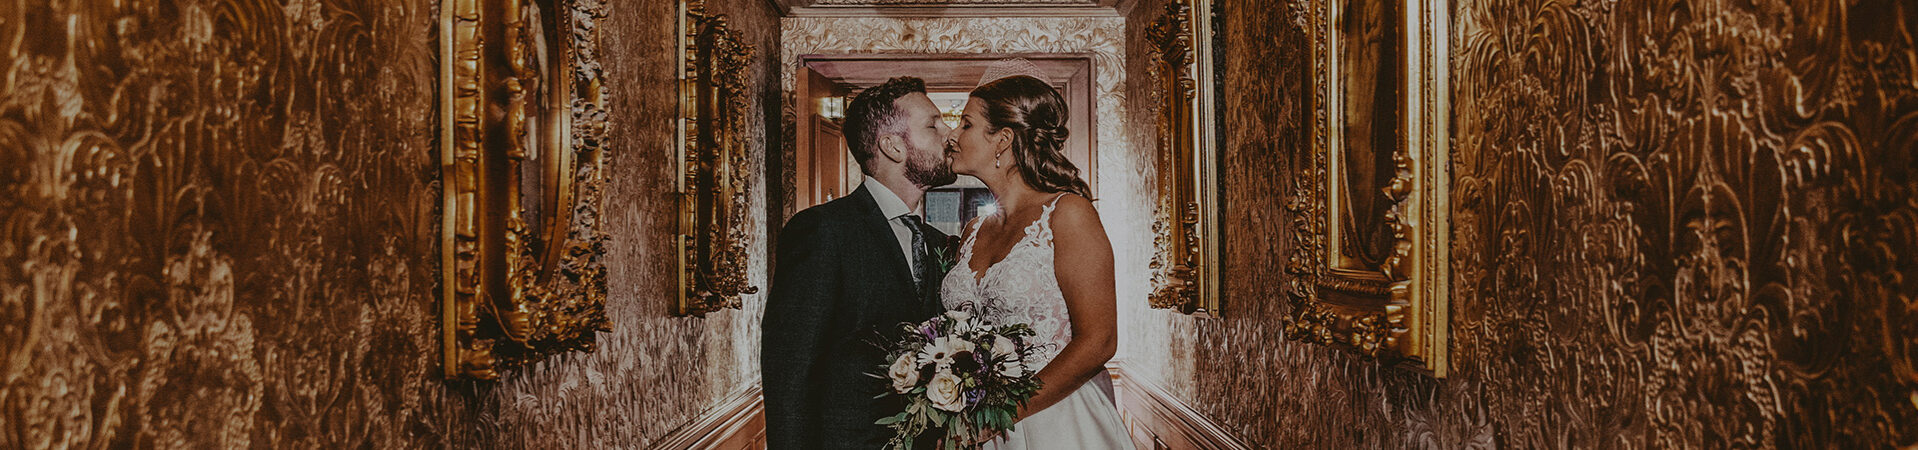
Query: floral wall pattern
x,y
220,230
1677,224
218,225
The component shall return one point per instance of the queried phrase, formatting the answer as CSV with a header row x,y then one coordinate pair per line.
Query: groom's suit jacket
x,y
840,289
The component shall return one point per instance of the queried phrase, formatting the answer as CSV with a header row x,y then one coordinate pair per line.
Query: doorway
x,y
824,169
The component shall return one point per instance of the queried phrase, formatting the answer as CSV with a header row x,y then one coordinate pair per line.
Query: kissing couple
x,y
858,266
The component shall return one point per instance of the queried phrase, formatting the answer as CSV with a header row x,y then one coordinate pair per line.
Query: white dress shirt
x,y
893,208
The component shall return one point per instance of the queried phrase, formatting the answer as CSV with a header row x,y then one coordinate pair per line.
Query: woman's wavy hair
x,y
1036,114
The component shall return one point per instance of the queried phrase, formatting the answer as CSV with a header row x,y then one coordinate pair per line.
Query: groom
x,y
849,272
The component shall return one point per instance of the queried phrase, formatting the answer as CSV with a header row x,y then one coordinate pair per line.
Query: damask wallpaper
x,y
220,230
1677,224
219,225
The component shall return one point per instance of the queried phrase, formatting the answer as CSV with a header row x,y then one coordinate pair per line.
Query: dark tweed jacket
x,y
841,287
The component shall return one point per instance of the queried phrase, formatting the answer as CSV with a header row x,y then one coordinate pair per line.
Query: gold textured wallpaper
x,y
1676,224
219,225
220,230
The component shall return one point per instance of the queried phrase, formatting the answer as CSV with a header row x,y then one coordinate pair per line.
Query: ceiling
x,y
951,8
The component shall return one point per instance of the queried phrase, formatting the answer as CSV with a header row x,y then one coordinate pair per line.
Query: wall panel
x,y
1676,224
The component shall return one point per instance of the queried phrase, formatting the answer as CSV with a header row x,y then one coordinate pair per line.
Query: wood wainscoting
x,y
737,423
1159,421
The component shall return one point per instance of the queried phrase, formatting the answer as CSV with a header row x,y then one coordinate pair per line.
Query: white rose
x,y
1012,369
1003,347
904,374
944,392
938,353
958,315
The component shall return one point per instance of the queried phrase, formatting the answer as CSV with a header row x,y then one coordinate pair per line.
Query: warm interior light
x,y
832,108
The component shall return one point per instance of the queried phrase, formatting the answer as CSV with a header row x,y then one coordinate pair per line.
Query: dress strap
x,y
1041,228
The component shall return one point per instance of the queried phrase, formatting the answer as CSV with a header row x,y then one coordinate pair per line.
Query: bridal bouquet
x,y
960,374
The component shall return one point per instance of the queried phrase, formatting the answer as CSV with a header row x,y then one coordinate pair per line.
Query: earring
x,y
995,160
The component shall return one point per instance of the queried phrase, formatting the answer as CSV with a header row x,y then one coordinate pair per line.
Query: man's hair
x,y
874,113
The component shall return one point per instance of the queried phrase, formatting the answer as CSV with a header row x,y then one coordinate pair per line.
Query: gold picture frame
x,y
711,158
1186,264
523,125
1372,274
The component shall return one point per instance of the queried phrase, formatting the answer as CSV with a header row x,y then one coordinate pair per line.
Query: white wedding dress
x,y
1023,289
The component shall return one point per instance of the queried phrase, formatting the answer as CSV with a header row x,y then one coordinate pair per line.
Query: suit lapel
x,y
875,224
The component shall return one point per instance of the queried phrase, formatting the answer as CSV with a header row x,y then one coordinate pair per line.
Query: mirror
x,y
522,122
1374,232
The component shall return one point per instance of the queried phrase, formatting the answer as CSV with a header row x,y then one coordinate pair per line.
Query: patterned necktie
x,y
918,250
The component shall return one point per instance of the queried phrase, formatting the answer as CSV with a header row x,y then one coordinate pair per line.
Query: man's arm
x,y
798,311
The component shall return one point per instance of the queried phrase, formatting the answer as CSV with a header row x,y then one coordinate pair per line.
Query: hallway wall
x,y
1676,224
217,225
654,372
220,230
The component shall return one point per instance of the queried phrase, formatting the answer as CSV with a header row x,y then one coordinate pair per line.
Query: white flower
x,y
944,392
962,322
1003,347
1012,369
961,346
904,374
938,352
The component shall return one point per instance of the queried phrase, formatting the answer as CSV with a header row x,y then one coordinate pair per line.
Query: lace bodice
x,y
1021,288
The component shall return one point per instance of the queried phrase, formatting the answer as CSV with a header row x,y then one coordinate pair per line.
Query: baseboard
x,y
1159,421
739,422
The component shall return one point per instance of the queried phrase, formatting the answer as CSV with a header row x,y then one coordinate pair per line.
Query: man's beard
x,y
928,169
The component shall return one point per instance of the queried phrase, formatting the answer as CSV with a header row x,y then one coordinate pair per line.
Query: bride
x,y
1010,137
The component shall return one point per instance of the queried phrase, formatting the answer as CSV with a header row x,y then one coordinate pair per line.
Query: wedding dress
x,y
1023,289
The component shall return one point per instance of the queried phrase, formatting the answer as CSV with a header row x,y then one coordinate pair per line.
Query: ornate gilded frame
x,y
521,109
1397,311
711,185
1186,266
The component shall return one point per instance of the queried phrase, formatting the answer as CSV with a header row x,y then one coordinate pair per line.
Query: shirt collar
x,y
889,202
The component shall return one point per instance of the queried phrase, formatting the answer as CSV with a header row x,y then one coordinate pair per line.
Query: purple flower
x,y
973,396
929,330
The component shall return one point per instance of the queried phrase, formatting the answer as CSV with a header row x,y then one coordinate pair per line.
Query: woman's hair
x,y
1036,114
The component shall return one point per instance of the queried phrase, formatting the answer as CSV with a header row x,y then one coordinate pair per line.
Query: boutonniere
x,y
946,254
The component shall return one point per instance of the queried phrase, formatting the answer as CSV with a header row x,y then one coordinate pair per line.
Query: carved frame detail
x,y
1406,316
1186,265
515,291
711,156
